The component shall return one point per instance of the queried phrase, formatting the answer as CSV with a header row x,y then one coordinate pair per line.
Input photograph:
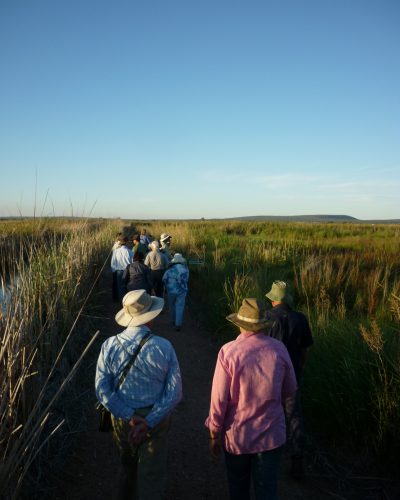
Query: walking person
x,y
145,238
175,280
141,405
252,378
121,257
115,293
292,328
158,263
138,246
117,243
165,241
137,276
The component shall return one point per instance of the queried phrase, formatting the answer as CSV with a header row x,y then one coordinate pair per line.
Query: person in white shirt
x,y
121,258
117,243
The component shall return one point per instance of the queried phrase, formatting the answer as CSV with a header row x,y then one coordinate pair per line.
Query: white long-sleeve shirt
x,y
121,258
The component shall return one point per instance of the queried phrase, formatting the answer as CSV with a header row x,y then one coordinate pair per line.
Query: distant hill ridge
x,y
310,218
272,218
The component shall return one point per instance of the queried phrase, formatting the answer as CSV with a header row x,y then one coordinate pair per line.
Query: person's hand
x,y
138,431
215,445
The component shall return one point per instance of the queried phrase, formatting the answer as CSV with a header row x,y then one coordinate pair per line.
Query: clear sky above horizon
x,y
189,109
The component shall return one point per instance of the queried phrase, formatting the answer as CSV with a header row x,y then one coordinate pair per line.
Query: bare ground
x,y
91,468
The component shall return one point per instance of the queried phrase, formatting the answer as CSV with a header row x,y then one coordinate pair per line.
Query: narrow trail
x,y
91,471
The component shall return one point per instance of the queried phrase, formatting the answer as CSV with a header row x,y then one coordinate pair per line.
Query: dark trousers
x,y
156,279
259,468
294,425
118,287
143,468
115,294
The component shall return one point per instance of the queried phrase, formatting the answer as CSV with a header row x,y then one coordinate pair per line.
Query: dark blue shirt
x,y
292,328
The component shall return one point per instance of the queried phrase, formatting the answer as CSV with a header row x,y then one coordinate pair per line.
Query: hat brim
x,y
250,327
287,298
125,319
181,261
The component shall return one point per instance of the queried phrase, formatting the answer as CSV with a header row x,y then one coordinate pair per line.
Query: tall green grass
x,y
346,278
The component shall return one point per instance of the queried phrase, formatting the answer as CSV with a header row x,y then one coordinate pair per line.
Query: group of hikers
x,y
150,265
255,396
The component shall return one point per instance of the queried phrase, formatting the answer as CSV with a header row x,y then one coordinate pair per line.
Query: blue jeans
x,y
176,302
260,468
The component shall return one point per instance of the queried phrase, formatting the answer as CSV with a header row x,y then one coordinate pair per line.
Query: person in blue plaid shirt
x,y
175,280
141,407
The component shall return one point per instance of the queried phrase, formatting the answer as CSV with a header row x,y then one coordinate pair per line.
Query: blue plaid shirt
x,y
153,380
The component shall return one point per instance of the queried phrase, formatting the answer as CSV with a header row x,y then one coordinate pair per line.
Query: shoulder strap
x,y
132,360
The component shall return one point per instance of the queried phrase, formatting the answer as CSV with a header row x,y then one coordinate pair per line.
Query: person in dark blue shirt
x,y
291,327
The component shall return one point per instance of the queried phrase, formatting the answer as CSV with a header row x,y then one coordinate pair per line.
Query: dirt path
x,y
91,471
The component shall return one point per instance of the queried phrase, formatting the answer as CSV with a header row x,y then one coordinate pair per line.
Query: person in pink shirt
x,y
252,378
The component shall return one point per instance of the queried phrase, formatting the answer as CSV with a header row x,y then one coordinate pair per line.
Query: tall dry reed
x,y
49,280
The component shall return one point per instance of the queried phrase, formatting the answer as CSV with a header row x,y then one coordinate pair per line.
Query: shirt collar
x,y
244,335
134,331
282,305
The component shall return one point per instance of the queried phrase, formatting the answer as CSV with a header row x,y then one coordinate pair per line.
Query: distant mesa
x,y
298,218
255,218
310,218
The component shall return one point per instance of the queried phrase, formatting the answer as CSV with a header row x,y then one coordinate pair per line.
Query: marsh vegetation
x,y
48,269
345,277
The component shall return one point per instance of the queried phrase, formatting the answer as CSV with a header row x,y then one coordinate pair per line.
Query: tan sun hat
x,y
279,292
138,308
250,316
165,237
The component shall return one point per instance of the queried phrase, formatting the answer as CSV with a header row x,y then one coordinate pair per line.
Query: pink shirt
x,y
252,377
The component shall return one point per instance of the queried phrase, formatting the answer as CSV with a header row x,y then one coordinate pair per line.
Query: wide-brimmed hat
x,y
138,308
250,316
279,292
165,237
178,259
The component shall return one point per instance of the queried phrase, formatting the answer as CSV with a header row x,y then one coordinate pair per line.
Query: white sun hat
x,y
178,259
138,308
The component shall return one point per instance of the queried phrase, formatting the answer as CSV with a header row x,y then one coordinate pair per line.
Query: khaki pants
x,y
143,467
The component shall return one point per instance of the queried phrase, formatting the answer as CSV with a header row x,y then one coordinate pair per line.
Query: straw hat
x,y
250,316
138,308
279,292
178,259
165,237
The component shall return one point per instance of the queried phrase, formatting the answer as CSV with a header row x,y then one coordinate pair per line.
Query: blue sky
x,y
189,109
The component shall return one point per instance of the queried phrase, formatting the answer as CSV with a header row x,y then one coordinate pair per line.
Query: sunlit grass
x,y
346,278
